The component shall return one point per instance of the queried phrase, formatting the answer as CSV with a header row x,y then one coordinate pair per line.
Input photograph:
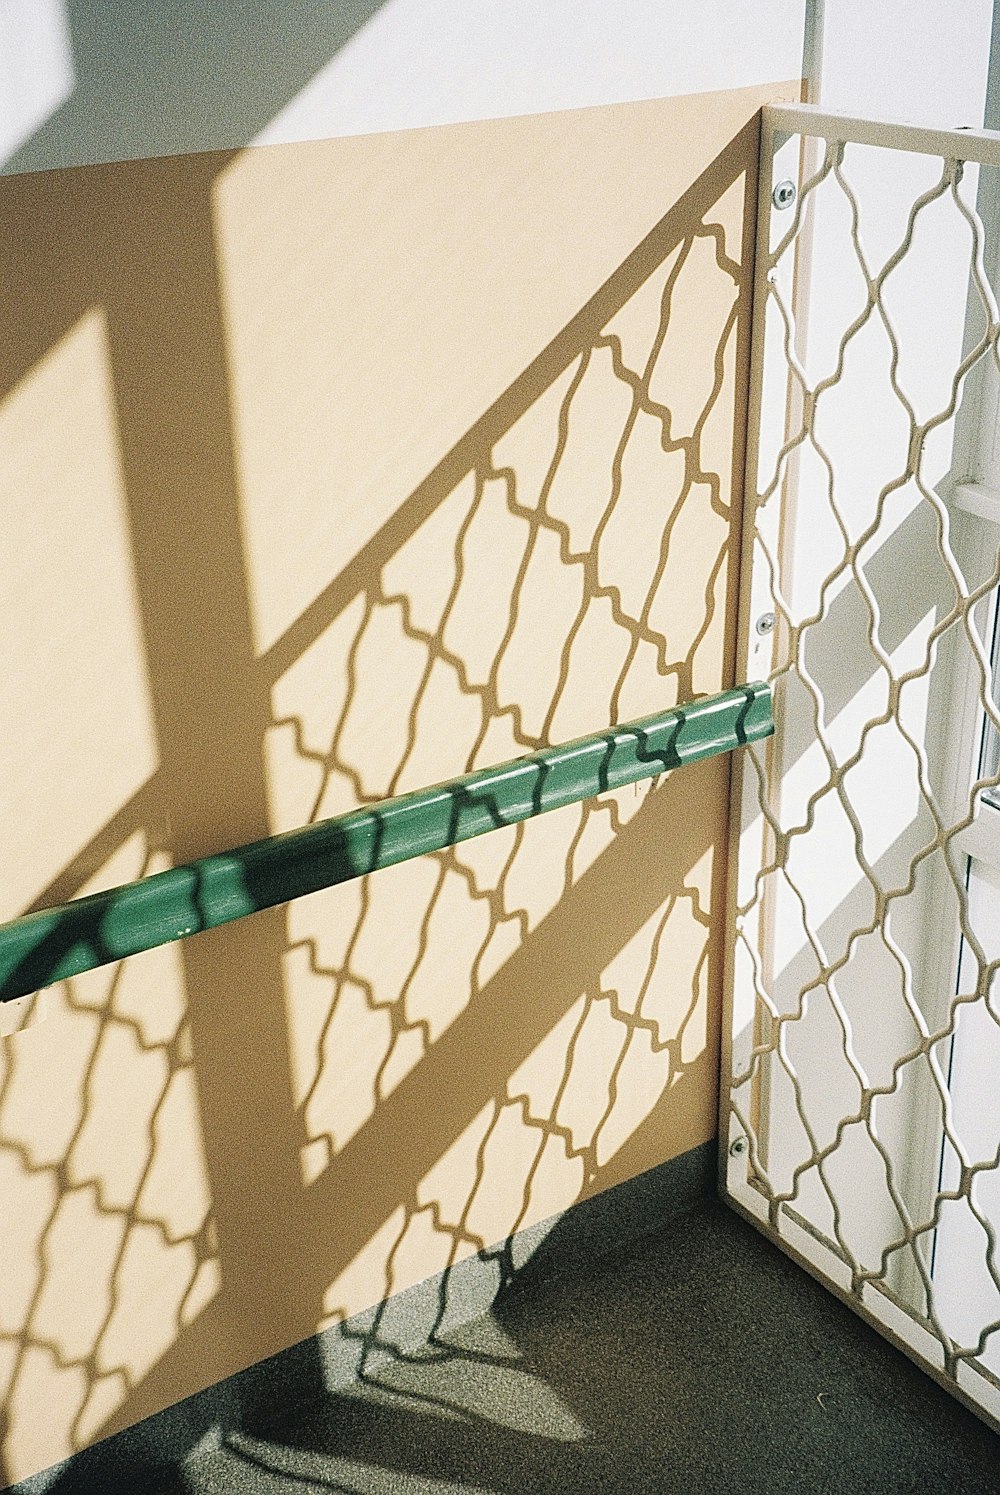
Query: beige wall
x,y
327,471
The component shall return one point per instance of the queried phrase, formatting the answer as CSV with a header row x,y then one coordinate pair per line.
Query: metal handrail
x,y
55,943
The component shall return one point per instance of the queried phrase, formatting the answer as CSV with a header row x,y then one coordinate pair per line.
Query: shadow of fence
x,y
269,1126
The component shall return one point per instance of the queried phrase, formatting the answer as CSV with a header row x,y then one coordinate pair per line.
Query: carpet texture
x,y
699,1360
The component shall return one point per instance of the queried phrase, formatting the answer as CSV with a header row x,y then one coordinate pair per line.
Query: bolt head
x,y
765,624
783,195
737,1147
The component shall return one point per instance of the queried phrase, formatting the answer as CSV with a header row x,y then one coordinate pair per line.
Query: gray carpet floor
x,y
701,1361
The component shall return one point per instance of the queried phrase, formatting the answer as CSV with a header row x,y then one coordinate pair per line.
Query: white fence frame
x,y
751,840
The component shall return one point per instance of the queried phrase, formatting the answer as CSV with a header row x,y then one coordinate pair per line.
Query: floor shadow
x,y
699,1358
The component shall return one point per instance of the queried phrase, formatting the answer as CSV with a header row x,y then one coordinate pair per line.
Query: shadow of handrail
x,y
56,943
576,963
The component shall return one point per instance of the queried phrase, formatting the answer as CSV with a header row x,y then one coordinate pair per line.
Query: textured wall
x,y
326,471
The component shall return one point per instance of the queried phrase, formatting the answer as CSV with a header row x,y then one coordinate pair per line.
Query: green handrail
x,y
63,941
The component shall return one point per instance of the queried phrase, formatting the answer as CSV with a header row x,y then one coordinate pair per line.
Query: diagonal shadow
x,y
173,77
694,206
212,709
435,1102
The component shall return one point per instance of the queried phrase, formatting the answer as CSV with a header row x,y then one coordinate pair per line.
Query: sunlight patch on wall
x,y
74,695
380,293
106,1234
467,525
560,568
36,68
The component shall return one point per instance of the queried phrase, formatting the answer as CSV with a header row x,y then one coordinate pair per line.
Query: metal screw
x,y
737,1147
784,194
765,624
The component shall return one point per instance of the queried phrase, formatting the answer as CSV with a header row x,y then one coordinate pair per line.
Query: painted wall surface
x,y
923,63
324,472
81,81
328,470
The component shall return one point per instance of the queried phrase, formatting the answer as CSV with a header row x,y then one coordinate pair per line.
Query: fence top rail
x,y
960,143
56,943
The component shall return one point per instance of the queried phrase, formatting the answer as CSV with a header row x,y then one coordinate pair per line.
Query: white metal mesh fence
x,y
862,1124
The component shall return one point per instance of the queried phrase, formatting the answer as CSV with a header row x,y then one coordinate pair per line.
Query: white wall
x,y
428,62
82,80
921,61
